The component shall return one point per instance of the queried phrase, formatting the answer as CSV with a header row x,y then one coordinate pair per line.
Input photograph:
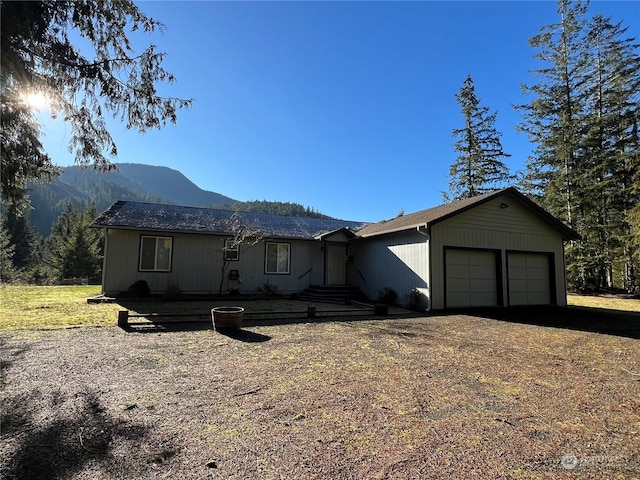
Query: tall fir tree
x,y
478,168
8,271
44,53
610,148
553,118
23,238
582,118
75,248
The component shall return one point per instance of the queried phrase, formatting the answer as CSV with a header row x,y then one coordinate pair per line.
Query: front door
x,y
337,265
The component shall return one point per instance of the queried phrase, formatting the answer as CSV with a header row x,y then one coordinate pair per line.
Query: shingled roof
x,y
442,212
173,218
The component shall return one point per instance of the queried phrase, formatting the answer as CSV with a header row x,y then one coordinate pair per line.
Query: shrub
x,y
267,289
387,295
416,300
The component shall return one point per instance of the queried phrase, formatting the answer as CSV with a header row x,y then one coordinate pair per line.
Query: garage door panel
x,y
538,298
529,279
458,271
483,299
458,299
481,285
482,271
458,284
470,278
538,285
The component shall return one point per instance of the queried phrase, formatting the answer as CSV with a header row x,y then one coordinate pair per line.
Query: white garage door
x,y
470,278
529,279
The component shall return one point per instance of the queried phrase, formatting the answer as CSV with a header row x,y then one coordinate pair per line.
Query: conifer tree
x,y
75,248
553,118
8,272
82,85
610,150
478,168
582,118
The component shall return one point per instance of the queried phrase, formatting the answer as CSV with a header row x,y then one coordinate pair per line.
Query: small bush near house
x,y
387,295
268,289
415,300
138,289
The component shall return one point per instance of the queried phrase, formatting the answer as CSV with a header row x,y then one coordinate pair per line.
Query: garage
x,y
471,278
529,278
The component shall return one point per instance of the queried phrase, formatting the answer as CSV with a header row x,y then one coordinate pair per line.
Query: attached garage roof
x,y
437,214
173,218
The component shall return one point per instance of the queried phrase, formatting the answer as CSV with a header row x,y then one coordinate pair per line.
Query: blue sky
x,y
346,107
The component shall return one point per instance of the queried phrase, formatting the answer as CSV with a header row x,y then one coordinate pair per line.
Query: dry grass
x,y
446,396
609,302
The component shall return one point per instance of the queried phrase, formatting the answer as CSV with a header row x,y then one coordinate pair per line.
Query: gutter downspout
x,y
424,231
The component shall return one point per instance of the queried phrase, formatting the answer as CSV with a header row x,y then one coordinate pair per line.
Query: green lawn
x,y
604,301
34,307
31,307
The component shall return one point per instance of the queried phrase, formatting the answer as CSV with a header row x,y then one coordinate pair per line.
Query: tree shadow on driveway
x,y
81,432
585,319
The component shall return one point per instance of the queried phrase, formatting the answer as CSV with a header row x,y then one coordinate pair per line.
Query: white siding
x,y
197,264
399,261
488,226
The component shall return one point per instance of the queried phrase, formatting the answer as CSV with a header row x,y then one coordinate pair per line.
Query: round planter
x,y
225,318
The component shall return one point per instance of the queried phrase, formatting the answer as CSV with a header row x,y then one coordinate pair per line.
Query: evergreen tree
x,y
8,271
76,249
582,119
23,239
38,58
553,119
610,152
478,168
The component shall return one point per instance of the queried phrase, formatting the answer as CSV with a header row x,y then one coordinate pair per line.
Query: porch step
x,y
332,293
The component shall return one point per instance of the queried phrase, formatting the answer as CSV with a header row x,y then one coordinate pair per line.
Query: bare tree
x,y
241,236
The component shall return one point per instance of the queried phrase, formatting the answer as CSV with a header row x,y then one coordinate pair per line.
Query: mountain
x,y
81,187
132,181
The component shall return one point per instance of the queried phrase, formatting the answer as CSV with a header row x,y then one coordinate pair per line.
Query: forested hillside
x,y
83,187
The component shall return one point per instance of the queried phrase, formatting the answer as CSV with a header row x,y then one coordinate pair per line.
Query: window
x,y
277,258
155,253
350,255
231,250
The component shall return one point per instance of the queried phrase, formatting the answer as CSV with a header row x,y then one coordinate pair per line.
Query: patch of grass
x,y
609,302
34,307
47,308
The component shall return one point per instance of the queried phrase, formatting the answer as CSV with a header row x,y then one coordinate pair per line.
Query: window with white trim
x,y
231,250
155,253
277,258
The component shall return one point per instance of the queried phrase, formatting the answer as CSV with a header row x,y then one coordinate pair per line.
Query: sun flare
x,y
36,100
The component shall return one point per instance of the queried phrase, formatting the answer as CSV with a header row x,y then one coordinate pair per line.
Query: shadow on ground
x,y
585,319
81,433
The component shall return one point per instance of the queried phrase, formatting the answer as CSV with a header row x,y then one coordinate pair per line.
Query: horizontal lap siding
x,y
488,226
398,261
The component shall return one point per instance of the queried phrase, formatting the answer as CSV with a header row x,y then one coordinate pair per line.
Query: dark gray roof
x,y
438,214
172,218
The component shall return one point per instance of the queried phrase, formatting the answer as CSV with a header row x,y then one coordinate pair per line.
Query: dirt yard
x,y
432,397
